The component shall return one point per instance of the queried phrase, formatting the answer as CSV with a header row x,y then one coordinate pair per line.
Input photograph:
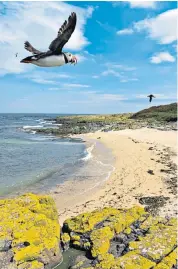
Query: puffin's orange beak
x,y
25,61
74,59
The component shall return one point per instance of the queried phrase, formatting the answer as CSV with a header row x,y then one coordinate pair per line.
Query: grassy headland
x,y
161,117
164,113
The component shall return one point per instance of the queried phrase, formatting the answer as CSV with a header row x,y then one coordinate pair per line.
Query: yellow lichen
x,y
150,221
75,237
32,220
153,250
65,237
128,230
101,240
76,243
126,218
87,245
160,240
87,221
31,265
132,260
168,261
106,261
119,219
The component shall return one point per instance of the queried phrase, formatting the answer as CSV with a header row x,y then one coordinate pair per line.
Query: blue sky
x,y
125,50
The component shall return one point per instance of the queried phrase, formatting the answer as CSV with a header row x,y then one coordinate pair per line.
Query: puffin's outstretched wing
x,y
64,34
30,48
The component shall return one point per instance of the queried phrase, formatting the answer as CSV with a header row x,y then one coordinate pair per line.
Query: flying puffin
x,y
54,56
151,97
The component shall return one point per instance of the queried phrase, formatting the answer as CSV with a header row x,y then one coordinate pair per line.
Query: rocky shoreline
x,y
110,238
74,127
160,117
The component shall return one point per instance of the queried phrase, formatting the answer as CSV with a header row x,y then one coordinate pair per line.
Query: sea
x,y
32,162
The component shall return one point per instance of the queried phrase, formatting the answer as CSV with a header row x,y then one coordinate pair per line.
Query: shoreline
x,y
142,158
74,192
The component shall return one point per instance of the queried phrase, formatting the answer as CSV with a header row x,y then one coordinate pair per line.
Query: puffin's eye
x,y
69,54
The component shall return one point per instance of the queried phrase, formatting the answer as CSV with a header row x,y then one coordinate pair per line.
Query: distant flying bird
x,y
54,56
16,54
151,96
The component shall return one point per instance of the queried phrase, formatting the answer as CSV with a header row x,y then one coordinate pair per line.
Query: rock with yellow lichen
x,y
100,239
123,239
168,261
65,241
30,231
85,228
86,222
133,260
158,242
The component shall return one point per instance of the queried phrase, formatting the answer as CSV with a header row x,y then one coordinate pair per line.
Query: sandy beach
x,y
144,167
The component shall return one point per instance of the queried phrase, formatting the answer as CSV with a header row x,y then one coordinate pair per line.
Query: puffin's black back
x,y
27,59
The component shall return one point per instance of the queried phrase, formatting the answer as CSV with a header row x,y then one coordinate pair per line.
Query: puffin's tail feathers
x,y
28,59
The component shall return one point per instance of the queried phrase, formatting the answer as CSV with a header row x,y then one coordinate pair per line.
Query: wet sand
x,y
144,167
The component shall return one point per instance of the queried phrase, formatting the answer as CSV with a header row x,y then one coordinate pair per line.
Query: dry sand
x,y
136,152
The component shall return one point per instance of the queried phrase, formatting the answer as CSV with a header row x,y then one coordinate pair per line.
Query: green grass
x,y
166,113
97,118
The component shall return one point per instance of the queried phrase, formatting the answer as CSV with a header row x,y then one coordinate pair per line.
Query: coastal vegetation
x,y
158,113
164,113
160,117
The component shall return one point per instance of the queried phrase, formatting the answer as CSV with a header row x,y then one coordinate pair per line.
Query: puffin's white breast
x,y
50,61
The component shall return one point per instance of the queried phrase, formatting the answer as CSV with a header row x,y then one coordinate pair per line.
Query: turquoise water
x,y
31,162
37,161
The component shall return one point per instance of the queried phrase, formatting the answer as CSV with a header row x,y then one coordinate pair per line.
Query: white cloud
x,y
162,57
137,4
86,92
162,28
113,97
74,85
120,66
126,31
37,22
53,89
122,76
85,56
133,79
128,79
89,56
143,4
43,81
106,26
111,72
95,77
96,97
44,77
49,75
124,80
80,58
